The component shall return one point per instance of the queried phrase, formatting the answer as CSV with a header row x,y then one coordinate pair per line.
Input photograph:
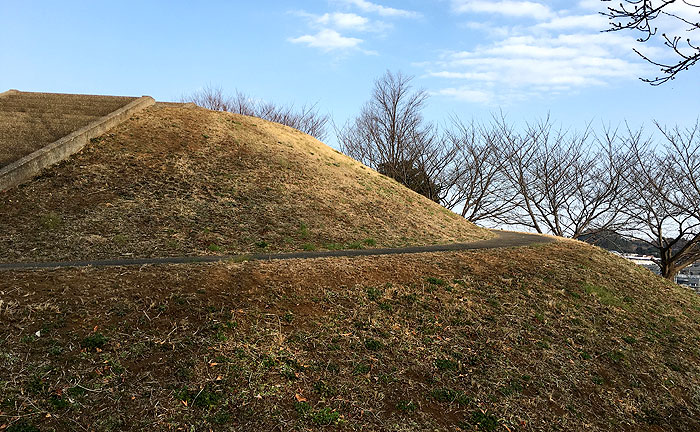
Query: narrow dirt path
x,y
502,239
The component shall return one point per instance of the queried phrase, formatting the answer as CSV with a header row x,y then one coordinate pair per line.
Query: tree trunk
x,y
666,264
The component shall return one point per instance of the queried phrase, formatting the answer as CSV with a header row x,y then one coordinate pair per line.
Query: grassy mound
x,y
30,121
179,180
562,336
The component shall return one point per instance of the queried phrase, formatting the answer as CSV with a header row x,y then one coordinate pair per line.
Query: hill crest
x,y
179,180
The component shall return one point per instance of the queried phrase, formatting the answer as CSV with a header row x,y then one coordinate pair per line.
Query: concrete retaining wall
x,y
30,165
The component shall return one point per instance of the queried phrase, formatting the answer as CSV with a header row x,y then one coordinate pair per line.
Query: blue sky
x,y
527,58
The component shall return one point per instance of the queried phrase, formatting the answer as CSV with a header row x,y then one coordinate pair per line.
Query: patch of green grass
x,y
202,398
450,396
27,339
354,245
333,246
604,295
97,340
514,385
361,369
542,344
51,220
629,339
374,294
57,402
321,417
406,406
369,242
436,281
324,389
120,239
409,299
484,421
446,364
616,356
214,247
303,231
262,244
22,426
308,247
386,306
373,345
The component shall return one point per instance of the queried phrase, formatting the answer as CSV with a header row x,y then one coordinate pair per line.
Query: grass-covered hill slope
x,y
180,180
561,337
30,121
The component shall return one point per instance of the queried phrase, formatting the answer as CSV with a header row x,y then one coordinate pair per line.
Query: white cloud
x,y
340,21
467,95
488,29
510,8
594,5
576,22
347,21
370,7
546,58
328,40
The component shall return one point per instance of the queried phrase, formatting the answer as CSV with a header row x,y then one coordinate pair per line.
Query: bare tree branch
x,y
642,15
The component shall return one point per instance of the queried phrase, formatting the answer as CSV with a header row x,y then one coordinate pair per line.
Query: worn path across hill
x,y
502,239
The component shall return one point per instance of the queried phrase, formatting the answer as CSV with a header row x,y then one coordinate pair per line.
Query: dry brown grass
x,y
179,180
561,337
30,121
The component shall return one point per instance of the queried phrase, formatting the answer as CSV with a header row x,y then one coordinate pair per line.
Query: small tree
x,y
644,16
391,136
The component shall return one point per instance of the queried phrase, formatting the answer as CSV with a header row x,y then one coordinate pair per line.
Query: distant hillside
x,y
613,241
180,180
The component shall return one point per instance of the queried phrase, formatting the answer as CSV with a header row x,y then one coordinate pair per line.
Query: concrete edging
x,y
27,167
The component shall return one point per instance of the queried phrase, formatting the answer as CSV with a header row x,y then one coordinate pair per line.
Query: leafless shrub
x,y
307,119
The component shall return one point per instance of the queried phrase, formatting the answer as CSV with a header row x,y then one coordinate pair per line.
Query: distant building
x,y
646,261
690,276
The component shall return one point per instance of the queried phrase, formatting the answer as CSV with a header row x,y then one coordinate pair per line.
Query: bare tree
x,y
481,189
391,136
212,98
568,184
664,199
643,16
307,119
